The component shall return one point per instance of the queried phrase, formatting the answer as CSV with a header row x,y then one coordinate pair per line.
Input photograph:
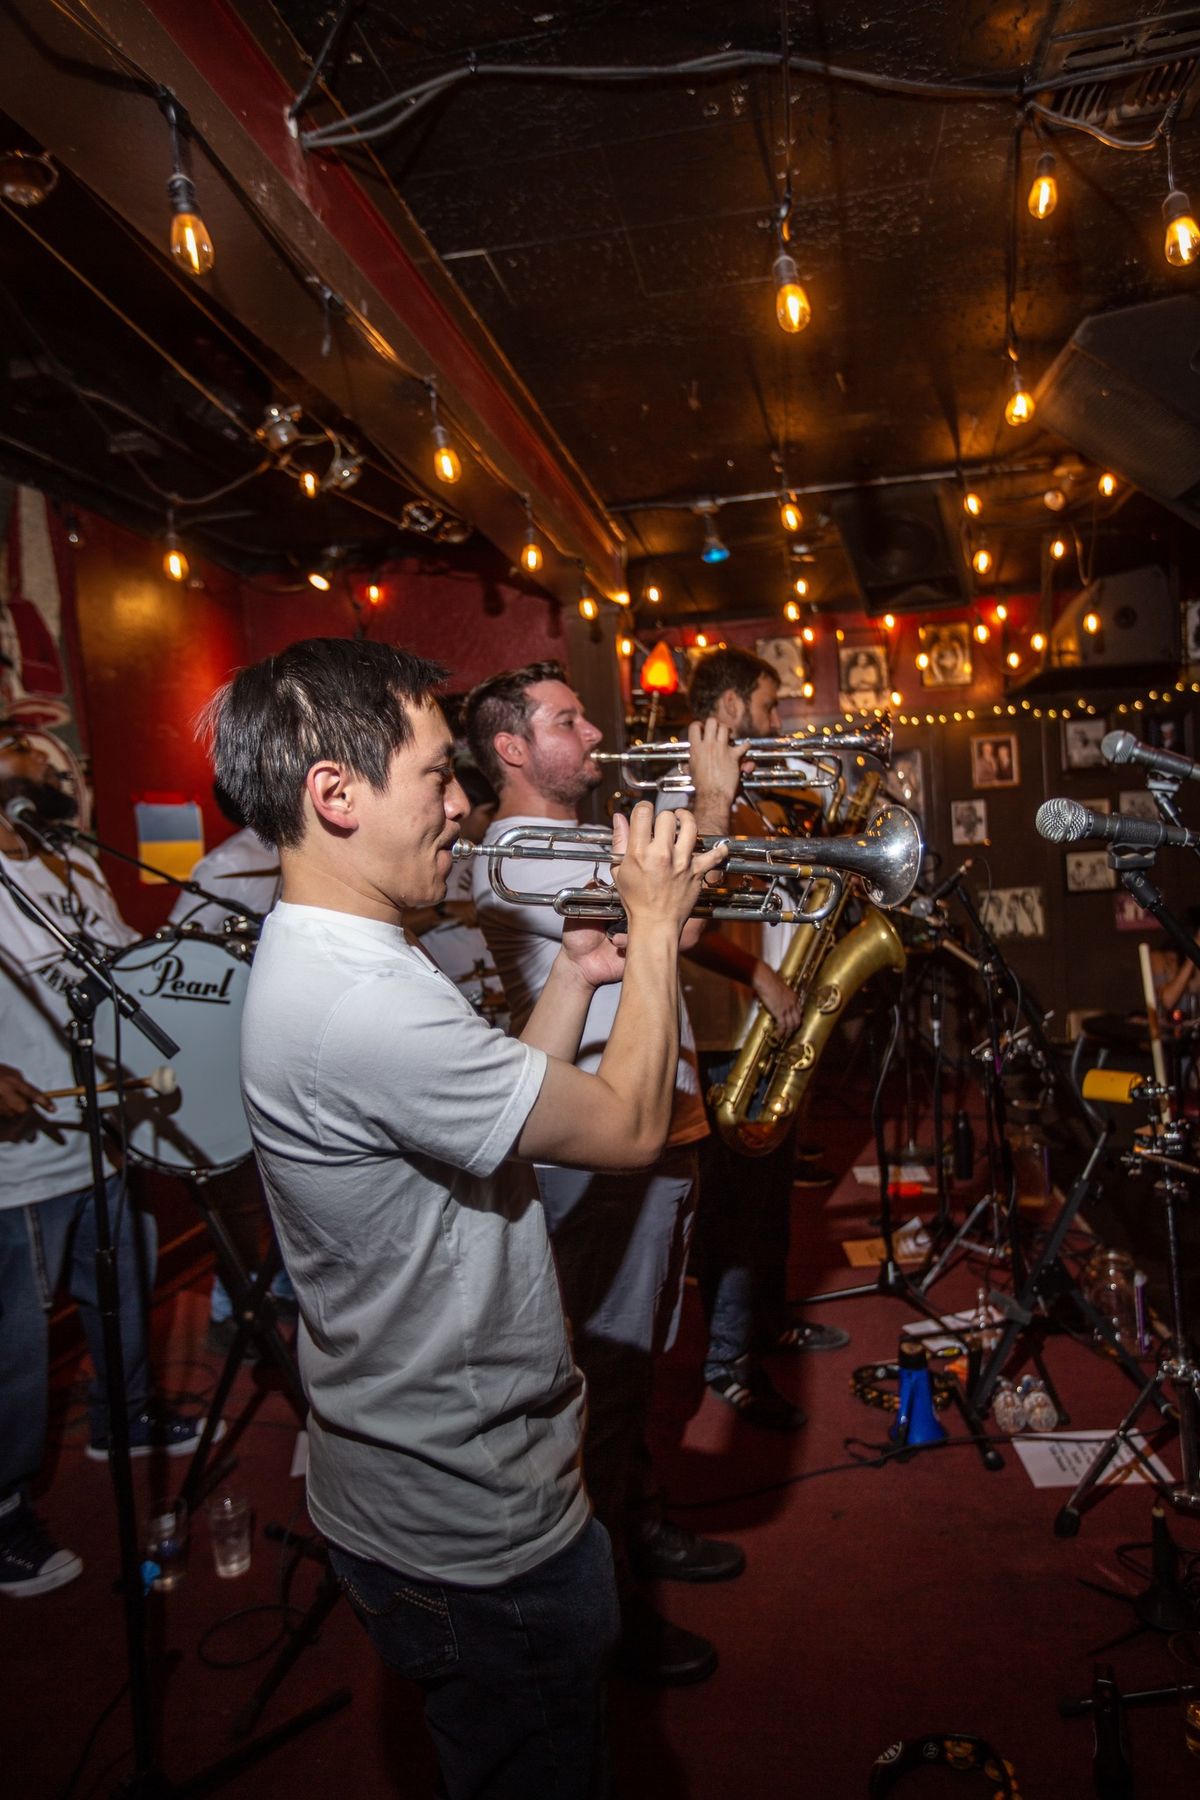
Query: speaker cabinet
x,y
1136,630
904,547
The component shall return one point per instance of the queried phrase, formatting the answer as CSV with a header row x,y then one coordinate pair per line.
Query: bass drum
x,y
194,987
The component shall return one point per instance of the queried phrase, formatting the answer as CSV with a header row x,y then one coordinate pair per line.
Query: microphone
x,y
1123,747
923,906
21,811
1066,821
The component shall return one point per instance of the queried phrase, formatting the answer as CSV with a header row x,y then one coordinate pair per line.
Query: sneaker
x,y
160,1433
655,1653
801,1334
662,1551
31,1562
756,1399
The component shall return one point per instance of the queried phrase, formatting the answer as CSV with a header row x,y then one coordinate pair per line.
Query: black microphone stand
x,y
73,835
96,984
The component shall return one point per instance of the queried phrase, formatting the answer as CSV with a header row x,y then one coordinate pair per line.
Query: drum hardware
x,y
71,834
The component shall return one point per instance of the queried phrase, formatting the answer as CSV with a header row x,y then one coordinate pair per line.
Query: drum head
x,y
194,988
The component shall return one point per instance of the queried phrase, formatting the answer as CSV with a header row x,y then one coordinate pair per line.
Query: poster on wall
x,y
863,681
1088,871
948,650
1129,916
1081,740
905,782
1015,912
35,681
1137,803
994,761
787,656
969,822
1191,631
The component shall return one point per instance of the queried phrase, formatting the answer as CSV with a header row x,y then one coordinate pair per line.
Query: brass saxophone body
x,y
755,1105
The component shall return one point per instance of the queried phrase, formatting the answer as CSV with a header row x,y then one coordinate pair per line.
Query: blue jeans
x,y
38,1244
741,1242
513,1676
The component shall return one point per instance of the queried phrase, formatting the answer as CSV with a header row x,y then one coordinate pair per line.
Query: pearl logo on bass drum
x,y
172,982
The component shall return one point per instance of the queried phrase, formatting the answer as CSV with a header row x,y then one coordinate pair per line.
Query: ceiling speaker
x,y
1136,640
904,547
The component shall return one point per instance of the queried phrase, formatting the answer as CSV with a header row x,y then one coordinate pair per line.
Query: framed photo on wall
x,y
969,822
905,781
863,681
1016,912
948,648
1137,803
1089,871
994,761
1081,740
787,657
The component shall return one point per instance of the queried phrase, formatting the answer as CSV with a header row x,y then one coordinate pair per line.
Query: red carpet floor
x,y
878,1603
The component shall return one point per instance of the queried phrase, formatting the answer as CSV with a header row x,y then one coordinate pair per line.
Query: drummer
x,y
47,1205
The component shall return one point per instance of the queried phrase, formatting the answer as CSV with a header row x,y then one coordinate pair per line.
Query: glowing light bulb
x,y
588,608
701,641
1181,245
1091,623
1013,659
1043,195
310,487
191,245
792,611
446,465
808,690
653,594
809,635
981,562
982,633
972,503
531,555
321,582
374,593
175,563
1020,407
1058,549
1107,484
889,621
791,302
625,646
790,516
1001,612
621,597
800,586
897,697
1037,642
1054,499
922,659
840,635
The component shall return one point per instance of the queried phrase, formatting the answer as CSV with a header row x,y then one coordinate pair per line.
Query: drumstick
x,y
161,1080
1156,1048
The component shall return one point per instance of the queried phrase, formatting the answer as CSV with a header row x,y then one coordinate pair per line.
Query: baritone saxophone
x,y
754,1106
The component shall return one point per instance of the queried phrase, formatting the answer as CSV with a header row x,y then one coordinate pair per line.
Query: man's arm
x,y
17,1097
722,956
618,1118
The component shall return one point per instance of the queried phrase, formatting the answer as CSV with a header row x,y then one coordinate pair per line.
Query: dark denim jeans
x,y
513,1675
38,1246
740,1249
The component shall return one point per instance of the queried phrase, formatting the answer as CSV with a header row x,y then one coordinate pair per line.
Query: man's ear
x,y
331,789
511,748
729,709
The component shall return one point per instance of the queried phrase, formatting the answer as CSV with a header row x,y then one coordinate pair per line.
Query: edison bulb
x,y
1043,195
922,659
889,621
1002,612
175,563
320,582
191,245
701,641
588,608
982,633
625,646
653,594
1058,549
446,465
1181,245
981,562
809,635
791,302
1037,642
800,586
310,487
1091,623
1013,659
531,555
1020,408
374,593
621,597
790,516
1107,484
897,697
808,690
792,611
972,503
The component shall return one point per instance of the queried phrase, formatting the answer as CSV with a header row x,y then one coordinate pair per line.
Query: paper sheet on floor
x,y
903,1174
934,1338
910,1241
1062,1458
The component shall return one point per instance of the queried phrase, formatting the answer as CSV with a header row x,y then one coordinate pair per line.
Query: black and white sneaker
x,y
159,1433
31,1563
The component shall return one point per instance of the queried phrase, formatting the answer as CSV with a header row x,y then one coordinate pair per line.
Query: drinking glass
x,y
229,1534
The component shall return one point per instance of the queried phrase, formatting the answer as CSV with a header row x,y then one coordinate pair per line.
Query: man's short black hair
x,y
340,700
721,670
501,703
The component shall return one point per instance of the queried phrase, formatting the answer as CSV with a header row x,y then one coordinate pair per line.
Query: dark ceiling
x,y
615,241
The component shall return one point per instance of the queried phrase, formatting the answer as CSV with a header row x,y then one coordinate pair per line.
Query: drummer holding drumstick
x,y
47,1213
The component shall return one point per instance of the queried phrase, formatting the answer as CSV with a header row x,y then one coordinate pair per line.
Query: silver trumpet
x,y
755,883
799,759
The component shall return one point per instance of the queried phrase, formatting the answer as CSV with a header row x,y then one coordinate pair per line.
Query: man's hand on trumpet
x,y
716,768
661,872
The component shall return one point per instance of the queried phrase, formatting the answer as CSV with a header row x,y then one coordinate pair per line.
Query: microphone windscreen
x,y
1061,820
1118,746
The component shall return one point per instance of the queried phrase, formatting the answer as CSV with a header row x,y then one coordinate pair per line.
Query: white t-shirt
x,y
446,1410
51,1156
524,941
461,953
235,870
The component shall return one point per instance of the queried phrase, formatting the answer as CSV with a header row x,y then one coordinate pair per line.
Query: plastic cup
x,y
229,1534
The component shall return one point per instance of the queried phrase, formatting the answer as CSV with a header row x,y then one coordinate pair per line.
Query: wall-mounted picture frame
x,y
1129,916
1191,632
905,782
948,648
1137,803
788,656
995,762
1016,912
1081,740
969,822
1089,871
863,681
